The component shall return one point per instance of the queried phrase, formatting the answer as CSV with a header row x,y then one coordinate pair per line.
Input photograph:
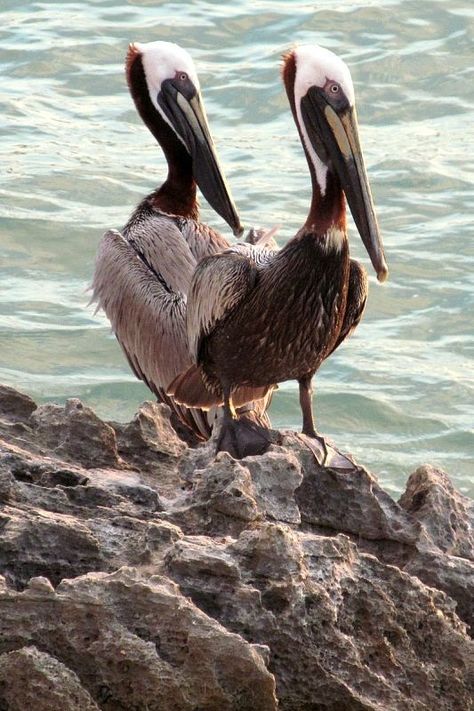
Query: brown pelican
x,y
263,323
142,274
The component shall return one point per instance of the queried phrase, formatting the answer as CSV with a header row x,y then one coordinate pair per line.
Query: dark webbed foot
x,y
321,453
326,454
242,438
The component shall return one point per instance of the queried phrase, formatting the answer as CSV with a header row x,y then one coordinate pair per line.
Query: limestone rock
x,y
150,433
273,581
447,516
40,544
221,498
276,476
75,432
137,643
228,495
344,630
350,499
30,679
453,575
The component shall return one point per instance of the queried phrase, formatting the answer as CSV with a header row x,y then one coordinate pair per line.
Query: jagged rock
x,y
343,628
221,499
228,495
453,575
15,405
276,478
30,679
35,543
447,516
76,433
353,622
350,499
444,558
137,643
150,433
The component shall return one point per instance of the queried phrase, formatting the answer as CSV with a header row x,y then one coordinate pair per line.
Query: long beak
x,y
339,136
189,121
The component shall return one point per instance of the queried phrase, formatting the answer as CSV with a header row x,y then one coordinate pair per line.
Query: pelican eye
x,y
334,88
183,76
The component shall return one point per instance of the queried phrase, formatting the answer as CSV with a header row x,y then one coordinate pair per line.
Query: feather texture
x,y
219,284
141,280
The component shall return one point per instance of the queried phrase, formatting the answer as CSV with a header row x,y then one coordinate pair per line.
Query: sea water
x,y
76,159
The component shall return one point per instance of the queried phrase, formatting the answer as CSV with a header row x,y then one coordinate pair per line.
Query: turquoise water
x,y
76,159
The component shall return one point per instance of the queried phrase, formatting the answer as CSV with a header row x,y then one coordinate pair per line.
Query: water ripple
x,y
76,159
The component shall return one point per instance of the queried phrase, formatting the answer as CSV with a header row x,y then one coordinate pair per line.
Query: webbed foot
x,y
326,455
242,438
317,444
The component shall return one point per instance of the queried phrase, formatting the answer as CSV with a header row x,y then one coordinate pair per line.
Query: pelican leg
x,y
240,437
306,405
227,441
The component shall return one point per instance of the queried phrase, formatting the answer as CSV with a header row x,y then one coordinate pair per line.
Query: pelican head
x,y
321,93
173,88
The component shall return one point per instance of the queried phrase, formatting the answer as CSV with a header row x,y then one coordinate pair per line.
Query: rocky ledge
x,y
139,574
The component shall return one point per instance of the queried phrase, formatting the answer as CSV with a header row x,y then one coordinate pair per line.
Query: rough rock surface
x,y
138,574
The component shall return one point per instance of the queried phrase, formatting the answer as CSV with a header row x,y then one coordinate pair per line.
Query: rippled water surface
x,y
75,160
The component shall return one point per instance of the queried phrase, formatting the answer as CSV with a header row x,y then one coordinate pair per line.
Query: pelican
x,y
278,318
142,273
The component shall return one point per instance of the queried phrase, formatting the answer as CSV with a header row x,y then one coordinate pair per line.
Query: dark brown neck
x,y
328,210
177,195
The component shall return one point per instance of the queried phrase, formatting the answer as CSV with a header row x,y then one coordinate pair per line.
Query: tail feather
x,y
243,394
189,389
257,411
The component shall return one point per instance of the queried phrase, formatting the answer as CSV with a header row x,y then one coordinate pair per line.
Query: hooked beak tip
x,y
382,274
238,231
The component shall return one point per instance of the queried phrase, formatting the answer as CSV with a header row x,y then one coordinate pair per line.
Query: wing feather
x,y
219,284
201,239
356,301
147,318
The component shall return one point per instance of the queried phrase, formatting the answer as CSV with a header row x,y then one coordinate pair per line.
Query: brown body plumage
x,y
279,320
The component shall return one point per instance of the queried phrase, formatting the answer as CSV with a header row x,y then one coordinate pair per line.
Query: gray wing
x,y
171,246
260,256
141,282
201,239
146,315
